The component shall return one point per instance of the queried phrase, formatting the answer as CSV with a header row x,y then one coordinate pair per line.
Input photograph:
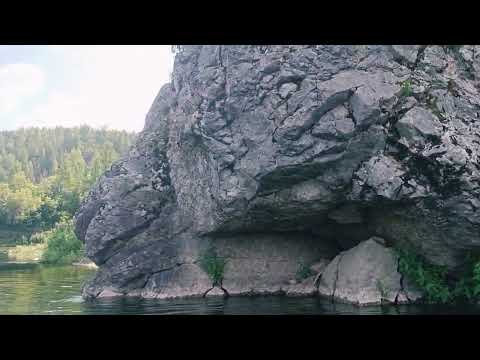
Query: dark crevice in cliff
x,y
402,290
444,179
420,56
135,188
340,256
318,278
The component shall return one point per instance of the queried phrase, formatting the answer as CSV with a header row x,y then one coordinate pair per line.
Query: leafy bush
x,y
467,287
434,279
213,265
63,247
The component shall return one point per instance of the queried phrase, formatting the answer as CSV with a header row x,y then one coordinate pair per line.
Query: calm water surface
x,y
29,288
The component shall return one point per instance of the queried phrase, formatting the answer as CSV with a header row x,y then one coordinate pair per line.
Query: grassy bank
x,y
27,253
56,246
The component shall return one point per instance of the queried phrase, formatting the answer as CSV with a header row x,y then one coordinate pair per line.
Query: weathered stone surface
x,y
319,266
263,261
299,151
365,275
417,125
409,53
347,214
306,288
181,281
108,293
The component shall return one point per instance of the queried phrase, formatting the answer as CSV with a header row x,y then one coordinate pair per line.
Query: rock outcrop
x,y
281,156
367,274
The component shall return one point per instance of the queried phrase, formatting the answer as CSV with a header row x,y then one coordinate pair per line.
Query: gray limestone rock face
x,y
366,275
305,288
417,125
319,266
268,261
288,155
408,53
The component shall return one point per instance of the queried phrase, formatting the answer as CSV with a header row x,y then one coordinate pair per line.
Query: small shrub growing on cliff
x,y
303,272
63,247
406,89
213,265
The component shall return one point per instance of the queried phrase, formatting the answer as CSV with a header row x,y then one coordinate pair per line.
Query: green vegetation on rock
x,y
468,286
406,89
436,283
303,272
431,279
213,265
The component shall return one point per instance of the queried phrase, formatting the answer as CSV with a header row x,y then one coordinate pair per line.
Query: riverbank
x,y
34,253
45,290
14,234
27,253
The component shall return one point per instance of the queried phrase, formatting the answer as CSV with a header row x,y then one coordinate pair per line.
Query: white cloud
x,y
59,110
18,83
111,86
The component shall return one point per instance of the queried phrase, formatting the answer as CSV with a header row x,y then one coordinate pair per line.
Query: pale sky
x,y
97,85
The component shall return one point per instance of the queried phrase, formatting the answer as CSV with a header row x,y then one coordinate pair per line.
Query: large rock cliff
x,y
286,156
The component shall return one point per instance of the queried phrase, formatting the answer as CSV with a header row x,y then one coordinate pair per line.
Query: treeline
x,y
40,152
44,173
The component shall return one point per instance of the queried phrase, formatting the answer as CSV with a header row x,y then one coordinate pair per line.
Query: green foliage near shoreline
x,y
213,265
44,175
436,283
303,272
62,245
431,279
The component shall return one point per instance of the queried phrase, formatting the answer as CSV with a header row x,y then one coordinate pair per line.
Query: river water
x,y
30,288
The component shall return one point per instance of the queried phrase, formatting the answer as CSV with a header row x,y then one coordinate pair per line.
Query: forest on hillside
x,y
40,152
45,173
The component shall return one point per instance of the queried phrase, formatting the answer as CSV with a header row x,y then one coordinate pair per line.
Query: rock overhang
x,y
321,141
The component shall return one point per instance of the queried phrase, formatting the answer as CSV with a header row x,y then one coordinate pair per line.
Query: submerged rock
x,y
279,156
